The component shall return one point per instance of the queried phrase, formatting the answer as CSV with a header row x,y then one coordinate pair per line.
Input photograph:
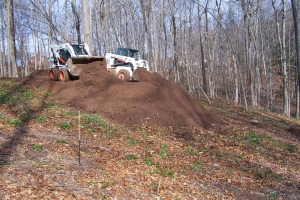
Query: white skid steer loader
x,y
124,63
68,59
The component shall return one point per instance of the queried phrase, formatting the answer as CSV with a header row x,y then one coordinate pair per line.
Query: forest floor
x,y
88,139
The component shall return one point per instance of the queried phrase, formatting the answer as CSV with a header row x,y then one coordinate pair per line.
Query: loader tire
x,y
54,74
124,75
64,75
112,71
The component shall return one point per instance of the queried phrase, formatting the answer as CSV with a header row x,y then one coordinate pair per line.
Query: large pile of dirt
x,y
153,101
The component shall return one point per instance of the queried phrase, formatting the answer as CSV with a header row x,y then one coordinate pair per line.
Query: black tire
x,y
124,75
64,75
54,74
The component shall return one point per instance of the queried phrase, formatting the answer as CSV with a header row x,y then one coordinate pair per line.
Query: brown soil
x,y
153,101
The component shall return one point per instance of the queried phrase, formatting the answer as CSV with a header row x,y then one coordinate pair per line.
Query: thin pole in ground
x,y
79,137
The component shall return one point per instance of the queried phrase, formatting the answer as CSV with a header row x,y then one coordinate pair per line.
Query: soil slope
x,y
153,101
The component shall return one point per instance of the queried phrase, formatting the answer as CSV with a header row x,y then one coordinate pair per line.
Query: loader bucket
x,y
135,77
75,64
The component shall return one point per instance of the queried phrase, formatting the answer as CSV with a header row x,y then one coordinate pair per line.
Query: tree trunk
x,y
76,21
286,109
154,36
201,50
87,23
296,16
2,56
103,22
10,27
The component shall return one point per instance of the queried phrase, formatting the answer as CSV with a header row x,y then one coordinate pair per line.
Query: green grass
x,y
164,171
273,196
24,118
291,148
276,123
153,185
253,139
130,157
146,133
95,120
149,161
163,153
108,183
197,167
41,119
70,113
14,122
191,151
62,141
65,125
37,147
131,141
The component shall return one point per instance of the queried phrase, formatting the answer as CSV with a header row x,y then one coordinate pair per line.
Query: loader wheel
x,y
64,75
54,74
112,71
124,75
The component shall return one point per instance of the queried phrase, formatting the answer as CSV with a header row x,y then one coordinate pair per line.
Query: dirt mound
x,y
153,101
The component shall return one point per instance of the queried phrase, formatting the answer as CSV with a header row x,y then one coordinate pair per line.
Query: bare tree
x,y
76,18
281,33
296,16
10,29
2,55
201,49
86,22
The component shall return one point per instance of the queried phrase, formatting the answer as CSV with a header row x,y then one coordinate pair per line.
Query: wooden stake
x,y
79,137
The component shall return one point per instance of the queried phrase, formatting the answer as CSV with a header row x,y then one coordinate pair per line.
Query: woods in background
x,y
246,51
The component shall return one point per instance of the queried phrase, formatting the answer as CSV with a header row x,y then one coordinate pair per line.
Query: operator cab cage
x,y
79,49
133,53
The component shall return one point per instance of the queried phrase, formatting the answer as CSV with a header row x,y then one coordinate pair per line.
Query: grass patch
x,y
108,183
131,141
130,157
95,120
41,119
276,123
145,133
14,122
291,148
149,161
24,118
253,139
65,125
163,153
37,147
191,151
62,141
164,172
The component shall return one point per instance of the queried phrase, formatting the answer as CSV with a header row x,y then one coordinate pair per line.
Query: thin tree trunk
x,y
76,21
296,16
103,23
284,64
154,36
201,50
65,27
87,23
11,38
2,56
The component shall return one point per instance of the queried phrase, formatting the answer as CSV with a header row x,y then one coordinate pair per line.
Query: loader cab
x,y
64,55
79,49
133,53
